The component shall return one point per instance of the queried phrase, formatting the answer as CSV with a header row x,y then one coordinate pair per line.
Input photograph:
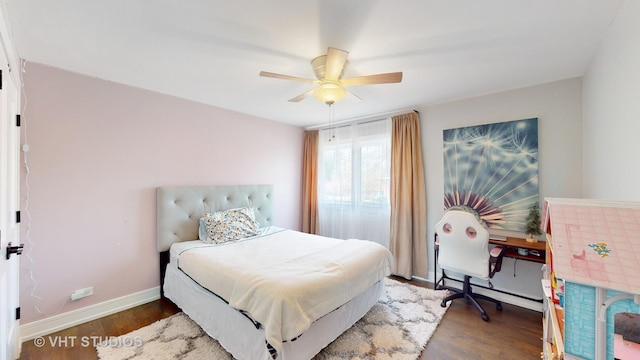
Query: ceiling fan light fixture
x,y
330,93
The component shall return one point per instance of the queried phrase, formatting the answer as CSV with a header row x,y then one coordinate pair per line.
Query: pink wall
x,y
97,152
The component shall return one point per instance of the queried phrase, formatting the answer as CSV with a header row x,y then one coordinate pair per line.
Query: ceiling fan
x,y
329,70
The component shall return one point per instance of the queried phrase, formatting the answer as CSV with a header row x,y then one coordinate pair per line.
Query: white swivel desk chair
x,y
462,245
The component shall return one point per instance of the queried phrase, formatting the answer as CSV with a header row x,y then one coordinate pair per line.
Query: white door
x,y
9,205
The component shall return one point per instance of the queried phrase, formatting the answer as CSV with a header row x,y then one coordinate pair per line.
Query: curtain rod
x,y
368,118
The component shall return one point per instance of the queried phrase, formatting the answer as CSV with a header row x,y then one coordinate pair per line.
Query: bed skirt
x,y
224,323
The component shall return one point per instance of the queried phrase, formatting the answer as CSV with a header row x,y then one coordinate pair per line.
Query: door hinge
x,y
18,313
0,79
18,120
18,217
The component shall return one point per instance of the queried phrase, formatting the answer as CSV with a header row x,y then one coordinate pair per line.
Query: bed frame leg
x,y
164,261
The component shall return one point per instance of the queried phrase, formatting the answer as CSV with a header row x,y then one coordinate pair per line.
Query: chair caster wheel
x,y
485,317
499,307
443,304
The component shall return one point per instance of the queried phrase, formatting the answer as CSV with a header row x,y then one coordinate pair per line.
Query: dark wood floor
x,y
514,333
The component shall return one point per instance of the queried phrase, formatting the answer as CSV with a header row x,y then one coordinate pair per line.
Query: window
x,y
354,181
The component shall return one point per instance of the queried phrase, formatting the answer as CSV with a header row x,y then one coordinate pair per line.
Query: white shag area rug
x,y
397,327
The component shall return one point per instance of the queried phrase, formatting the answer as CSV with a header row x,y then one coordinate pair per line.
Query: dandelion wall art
x,y
493,169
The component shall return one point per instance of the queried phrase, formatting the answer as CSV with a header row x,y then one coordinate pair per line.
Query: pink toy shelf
x,y
595,242
595,250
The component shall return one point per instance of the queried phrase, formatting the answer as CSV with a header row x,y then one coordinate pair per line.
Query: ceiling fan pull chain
x,y
333,127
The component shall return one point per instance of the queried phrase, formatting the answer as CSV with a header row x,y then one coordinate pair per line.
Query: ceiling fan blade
x,y
387,78
336,59
285,77
301,96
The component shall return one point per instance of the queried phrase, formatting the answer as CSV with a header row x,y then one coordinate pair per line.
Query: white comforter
x,y
287,280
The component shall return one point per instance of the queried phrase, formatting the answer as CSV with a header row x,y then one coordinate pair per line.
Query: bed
x,y
252,304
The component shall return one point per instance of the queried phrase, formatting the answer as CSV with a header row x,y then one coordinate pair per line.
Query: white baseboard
x,y
72,318
510,299
506,298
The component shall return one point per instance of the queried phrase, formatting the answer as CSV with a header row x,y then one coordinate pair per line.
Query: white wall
x,y
611,113
557,106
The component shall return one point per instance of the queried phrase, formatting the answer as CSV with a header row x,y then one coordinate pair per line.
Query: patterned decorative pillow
x,y
229,225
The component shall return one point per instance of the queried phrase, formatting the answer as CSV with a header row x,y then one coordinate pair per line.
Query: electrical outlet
x,y
79,294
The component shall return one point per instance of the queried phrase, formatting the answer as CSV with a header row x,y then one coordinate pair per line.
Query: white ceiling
x,y
211,51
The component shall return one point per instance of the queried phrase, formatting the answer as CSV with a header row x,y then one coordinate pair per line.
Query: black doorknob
x,y
14,250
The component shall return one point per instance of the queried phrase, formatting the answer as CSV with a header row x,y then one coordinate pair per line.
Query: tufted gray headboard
x,y
179,208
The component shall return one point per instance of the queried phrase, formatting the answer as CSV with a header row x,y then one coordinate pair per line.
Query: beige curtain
x,y
408,242
310,183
